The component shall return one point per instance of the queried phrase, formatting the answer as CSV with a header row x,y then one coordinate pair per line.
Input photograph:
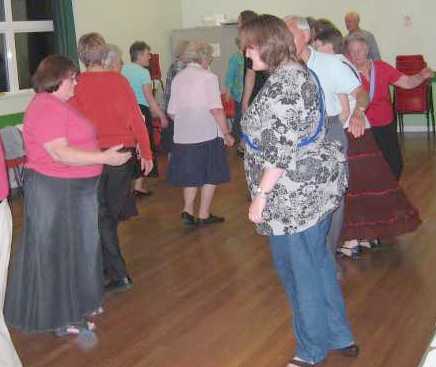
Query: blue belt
x,y
309,139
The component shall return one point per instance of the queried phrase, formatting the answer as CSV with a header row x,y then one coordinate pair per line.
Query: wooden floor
x,y
210,298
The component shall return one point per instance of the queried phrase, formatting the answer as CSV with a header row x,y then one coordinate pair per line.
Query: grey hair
x,y
355,37
300,22
114,54
353,14
197,51
180,48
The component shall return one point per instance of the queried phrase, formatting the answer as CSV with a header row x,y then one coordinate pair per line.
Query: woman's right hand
x,y
113,157
229,140
146,166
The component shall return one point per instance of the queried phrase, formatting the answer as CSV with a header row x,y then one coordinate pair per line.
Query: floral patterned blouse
x,y
285,113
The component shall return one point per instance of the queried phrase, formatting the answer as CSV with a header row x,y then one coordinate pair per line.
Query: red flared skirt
x,y
375,205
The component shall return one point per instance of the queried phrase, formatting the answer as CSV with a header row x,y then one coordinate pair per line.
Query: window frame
x,y
9,28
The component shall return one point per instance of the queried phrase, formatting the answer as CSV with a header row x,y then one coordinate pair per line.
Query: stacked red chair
x,y
413,101
155,73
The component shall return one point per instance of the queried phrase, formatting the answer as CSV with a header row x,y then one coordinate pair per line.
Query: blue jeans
x,y
306,268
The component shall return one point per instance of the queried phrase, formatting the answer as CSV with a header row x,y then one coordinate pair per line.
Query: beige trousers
x,y
8,355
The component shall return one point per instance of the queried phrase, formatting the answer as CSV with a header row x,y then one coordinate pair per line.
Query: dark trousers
x,y
113,191
236,123
386,138
336,133
149,124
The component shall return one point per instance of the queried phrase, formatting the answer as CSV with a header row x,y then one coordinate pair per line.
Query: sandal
x,y
371,244
75,329
297,363
349,249
97,311
350,351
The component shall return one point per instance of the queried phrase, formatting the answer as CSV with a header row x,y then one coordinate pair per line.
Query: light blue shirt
x,y
138,76
335,78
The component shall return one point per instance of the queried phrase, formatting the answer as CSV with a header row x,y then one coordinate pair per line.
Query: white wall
x,y
385,18
120,22
123,22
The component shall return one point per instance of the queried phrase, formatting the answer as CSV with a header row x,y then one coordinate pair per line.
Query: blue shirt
x,y
138,76
234,80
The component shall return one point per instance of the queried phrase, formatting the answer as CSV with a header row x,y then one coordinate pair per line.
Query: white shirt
x,y
194,92
335,78
351,99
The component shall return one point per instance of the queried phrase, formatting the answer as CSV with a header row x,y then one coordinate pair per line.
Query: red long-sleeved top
x,y
108,101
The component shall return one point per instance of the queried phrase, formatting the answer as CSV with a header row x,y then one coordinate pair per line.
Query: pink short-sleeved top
x,y
194,92
48,118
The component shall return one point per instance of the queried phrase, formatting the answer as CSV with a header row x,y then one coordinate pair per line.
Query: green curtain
x,y
65,33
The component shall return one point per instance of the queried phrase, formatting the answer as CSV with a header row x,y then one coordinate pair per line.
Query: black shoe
x,y
119,285
143,193
350,351
211,220
188,219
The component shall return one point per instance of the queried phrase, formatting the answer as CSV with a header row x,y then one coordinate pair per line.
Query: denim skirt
x,y
193,165
56,276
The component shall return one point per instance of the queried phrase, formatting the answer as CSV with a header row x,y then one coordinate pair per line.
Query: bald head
x,y
352,20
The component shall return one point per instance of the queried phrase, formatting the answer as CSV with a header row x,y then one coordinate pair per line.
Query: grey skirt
x,y
56,276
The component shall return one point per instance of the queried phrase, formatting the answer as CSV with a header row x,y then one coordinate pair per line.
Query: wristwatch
x,y
261,192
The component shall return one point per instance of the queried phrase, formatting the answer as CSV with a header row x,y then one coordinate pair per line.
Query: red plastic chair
x,y
16,165
229,106
155,73
413,101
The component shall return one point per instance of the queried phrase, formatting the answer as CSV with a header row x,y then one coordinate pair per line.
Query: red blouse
x,y
108,101
380,112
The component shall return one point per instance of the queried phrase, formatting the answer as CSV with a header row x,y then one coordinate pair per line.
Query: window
x,y
26,37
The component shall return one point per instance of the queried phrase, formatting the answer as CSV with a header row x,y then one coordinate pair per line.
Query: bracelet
x,y
261,192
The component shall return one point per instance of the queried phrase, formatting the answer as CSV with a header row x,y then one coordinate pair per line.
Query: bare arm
x,y
250,78
412,81
220,118
345,106
154,106
60,151
357,121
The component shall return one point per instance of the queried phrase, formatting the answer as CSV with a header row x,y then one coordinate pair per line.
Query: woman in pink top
x,y
8,355
57,278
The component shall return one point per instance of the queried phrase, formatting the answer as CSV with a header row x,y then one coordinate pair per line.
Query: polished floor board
x,y
209,297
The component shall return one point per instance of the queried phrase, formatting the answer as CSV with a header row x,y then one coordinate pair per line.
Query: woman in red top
x,y
107,100
377,76
56,279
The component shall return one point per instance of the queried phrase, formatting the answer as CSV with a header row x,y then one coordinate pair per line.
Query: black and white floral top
x,y
285,113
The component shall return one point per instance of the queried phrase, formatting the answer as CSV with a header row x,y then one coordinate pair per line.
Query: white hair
x,y
300,22
114,55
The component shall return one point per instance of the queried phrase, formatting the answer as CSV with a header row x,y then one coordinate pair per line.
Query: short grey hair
x,y
197,51
353,14
300,22
114,54
180,48
355,37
